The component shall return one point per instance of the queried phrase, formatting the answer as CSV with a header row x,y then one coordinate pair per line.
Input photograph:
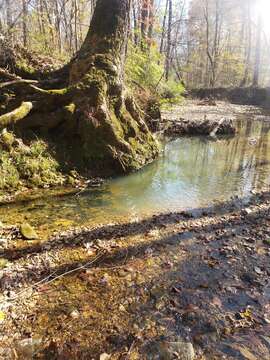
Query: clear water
x,y
191,173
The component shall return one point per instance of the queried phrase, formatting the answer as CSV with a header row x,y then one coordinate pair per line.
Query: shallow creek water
x,y
192,172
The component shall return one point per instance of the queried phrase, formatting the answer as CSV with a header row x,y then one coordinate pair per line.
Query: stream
x,y
192,172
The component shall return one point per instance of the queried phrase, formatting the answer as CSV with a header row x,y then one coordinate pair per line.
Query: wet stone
x,y
26,348
166,350
28,232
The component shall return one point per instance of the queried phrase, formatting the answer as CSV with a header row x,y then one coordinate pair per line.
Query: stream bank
x,y
181,283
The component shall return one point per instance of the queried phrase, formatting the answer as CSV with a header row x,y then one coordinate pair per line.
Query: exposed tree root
x,y
17,82
16,115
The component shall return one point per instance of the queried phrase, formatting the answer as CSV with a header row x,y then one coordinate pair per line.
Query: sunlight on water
x,y
192,172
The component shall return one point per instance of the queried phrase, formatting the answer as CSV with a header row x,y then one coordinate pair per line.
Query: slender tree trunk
x,y
247,46
164,27
144,22
25,13
258,53
58,26
169,45
135,24
9,18
151,21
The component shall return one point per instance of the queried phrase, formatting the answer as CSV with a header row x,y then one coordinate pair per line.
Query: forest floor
x,y
187,285
178,285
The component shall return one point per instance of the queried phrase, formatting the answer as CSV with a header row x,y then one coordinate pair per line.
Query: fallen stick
x,y
17,82
214,131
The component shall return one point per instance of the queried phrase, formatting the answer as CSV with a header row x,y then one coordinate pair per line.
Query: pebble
x,y
28,232
75,314
104,356
27,347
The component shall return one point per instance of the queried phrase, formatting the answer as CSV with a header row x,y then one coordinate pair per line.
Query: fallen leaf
x,y
2,316
245,352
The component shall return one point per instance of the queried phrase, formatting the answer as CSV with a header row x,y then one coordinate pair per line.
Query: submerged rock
x,y
28,232
166,350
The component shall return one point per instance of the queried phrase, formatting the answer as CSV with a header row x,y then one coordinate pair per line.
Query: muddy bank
x,y
203,127
189,285
203,118
242,96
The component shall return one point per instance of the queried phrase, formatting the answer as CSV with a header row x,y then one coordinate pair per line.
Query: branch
x,y
15,82
16,115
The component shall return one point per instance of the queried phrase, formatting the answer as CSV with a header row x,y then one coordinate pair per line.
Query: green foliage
x,y
145,67
10,177
171,92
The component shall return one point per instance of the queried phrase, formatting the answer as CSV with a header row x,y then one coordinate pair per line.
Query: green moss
x,y
71,108
58,91
7,139
24,66
31,166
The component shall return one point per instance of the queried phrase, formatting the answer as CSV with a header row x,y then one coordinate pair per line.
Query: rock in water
x,y
28,232
184,350
169,350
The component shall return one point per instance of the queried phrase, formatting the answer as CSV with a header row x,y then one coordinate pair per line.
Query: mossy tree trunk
x,y
96,111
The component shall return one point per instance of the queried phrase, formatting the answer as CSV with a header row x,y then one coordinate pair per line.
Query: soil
x,y
203,118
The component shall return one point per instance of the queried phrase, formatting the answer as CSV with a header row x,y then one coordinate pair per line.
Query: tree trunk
x,y
144,22
169,45
24,22
258,53
164,28
95,113
8,18
248,22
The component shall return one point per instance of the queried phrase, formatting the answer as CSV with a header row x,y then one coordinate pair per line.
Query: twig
x,y
130,349
76,269
43,281
28,288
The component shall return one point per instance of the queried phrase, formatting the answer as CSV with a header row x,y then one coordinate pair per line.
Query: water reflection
x,y
192,172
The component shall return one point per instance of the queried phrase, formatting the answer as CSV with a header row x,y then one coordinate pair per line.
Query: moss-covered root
x,y
16,115
113,135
